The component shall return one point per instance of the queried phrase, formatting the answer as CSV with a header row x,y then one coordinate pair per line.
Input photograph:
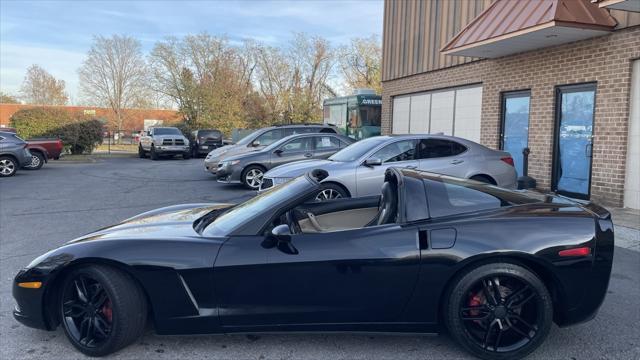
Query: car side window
x,y
450,199
326,142
301,144
397,151
269,137
326,130
436,148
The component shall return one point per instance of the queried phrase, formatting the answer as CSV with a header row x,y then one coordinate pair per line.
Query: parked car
x,y
358,170
492,266
248,168
164,141
261,138
43,150
204,141
13,153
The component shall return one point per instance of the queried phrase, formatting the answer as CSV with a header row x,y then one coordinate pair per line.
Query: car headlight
x,y
230,162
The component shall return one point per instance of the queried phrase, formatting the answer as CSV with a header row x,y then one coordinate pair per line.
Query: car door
x,y
401,153
296,149
325,146
145,140
362,275
442,156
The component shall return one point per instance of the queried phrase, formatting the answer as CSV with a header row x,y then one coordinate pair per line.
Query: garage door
x,y
451,112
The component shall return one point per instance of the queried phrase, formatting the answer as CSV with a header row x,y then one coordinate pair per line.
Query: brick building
x,y
133,118
560,77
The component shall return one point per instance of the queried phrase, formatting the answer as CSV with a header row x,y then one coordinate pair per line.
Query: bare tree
x,y
41,88
360,63
114,75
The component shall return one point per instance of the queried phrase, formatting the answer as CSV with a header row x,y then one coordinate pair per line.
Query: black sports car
x,y
494,267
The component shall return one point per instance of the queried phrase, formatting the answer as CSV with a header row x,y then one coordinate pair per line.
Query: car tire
x,y
153,153
331,191
141,152
499,311
37,161
8,166
186,155
483,179
252,176
114,315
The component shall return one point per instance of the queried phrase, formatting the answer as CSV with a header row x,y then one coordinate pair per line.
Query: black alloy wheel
x,y
500,311
101,309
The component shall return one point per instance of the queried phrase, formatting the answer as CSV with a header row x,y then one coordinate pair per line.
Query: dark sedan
x,y
249,168
495,267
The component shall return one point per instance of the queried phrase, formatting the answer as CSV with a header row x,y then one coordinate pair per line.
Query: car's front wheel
x,y
153,153
37,161
102,309
499,311
141,153
331,191
252,176
8,166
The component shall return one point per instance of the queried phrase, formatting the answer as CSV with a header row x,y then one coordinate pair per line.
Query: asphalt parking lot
x,y
43,209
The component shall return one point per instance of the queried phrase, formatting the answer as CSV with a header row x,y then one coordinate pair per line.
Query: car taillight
x,y
508,160
582,251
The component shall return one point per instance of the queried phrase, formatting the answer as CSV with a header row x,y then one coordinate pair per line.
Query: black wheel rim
x,y
501,313
87,312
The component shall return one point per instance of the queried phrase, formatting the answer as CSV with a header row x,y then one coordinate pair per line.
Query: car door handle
x,y
307,155
411,167
457,161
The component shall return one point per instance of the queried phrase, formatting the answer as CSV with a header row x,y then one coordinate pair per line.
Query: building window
x,y
451,112
514,134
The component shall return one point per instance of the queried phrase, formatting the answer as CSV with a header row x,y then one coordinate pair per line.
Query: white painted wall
x,y
632,177
401,109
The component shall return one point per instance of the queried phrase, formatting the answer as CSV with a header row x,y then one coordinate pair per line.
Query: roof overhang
x,y
625,5
537,37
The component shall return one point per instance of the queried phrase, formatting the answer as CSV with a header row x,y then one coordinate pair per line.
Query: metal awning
x,y
512,26
625,5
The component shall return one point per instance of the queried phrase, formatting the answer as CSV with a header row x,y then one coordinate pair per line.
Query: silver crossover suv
x,y
358,170
248,168
259,139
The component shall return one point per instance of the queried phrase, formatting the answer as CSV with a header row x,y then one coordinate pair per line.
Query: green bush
x,y
78,134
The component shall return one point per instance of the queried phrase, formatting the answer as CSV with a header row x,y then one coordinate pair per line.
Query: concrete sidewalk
x,y
627,227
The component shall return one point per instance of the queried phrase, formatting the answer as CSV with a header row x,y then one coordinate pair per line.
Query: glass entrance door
x,y
575,106
515,125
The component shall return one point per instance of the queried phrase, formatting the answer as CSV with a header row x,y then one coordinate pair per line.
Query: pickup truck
x,y
43,150
162,141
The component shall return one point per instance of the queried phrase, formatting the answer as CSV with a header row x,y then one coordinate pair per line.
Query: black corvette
x,y
493,267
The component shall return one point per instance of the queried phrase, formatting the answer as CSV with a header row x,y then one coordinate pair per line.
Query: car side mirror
x,y
255,143
373,162
278,152
281,238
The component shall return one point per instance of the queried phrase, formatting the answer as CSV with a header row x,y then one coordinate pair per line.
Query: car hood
x,y
302,167
230,150
173,222
162,137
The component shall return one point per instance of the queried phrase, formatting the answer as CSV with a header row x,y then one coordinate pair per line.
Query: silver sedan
x,y
358,170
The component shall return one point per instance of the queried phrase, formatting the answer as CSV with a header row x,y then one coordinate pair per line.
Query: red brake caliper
x,y
107,311
476,300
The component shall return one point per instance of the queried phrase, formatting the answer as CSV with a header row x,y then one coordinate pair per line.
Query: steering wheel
x,y
293,222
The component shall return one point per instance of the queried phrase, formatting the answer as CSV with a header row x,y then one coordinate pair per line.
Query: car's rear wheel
x,y
499,311
8,166
484,179
102,310
252,176
331,191
37,160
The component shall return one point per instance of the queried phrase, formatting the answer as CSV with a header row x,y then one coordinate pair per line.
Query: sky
x,y
57,34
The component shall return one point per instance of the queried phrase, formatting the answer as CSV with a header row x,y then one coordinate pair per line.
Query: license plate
x,y
204,147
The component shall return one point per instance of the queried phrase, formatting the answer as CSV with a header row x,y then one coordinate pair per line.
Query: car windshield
x,y
226,223
209,133
356,150
166,131
247,139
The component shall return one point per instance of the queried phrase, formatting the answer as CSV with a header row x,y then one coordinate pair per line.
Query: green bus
x,y
357,116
